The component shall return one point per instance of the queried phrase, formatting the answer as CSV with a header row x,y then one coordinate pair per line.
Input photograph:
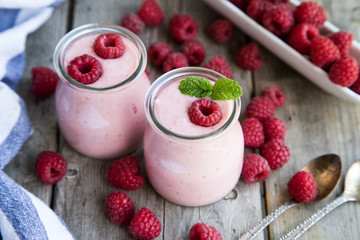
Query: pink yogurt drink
x,y
106,118
188,164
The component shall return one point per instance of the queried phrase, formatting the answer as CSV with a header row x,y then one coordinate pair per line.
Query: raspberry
x,y
301,36
279,19
256,9
203,231
221,30
255,168
51,167
132,22
323,51
261,108
302,187
125,173
274,128
158,52
249,57
275,94
240,3
279,1
44,81
175,60
343,40
120,208
344,72
356,86
183,27
108,46
205,113
253,132
85,69
145,225
151,13
310,12
219,64
194,52
276,153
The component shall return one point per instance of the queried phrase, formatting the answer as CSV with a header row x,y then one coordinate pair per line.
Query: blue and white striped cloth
x,y
22,215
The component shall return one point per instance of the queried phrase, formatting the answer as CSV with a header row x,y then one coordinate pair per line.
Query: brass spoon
x,y
326,170
351,193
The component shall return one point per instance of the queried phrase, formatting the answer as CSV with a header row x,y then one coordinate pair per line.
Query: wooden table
x,y
317,123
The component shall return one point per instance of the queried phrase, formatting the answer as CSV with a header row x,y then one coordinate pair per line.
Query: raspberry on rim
x,y
108,46
205,113
85,69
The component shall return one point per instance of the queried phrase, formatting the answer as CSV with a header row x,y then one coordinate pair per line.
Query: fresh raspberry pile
x,y
44,81
203,231
145,225
302,187
85,69
249,57
255,168
51,167
221,30
132,22
120,208
124,173
204,112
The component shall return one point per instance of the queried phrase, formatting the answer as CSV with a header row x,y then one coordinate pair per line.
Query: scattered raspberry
x,y
125,173
51,167
323,51
85,69
151,13
132,22
253,131
205,113
344,72
255,168
175,60
194,52
343,40
240,3
120,208
356,86
301,36
183,27
249,57
274,128
219,64
203,231
109,46
276,153
158,52
310,12
279,19
302,187
44,81
261,108
275,94
221,30
256,9
145,225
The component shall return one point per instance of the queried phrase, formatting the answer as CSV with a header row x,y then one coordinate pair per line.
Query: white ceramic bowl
x,y
284,51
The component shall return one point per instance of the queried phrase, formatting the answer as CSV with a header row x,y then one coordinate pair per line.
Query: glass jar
x,y
105,119
191,169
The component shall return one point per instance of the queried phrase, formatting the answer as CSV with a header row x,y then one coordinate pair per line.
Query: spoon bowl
x,y
326,170
352,182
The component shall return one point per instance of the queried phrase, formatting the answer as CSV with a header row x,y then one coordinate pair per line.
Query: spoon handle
x,y
309,222
251,233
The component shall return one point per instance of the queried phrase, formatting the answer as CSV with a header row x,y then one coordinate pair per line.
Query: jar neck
x,y
183,73
91,29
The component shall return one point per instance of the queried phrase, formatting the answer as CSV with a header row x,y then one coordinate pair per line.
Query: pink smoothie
x,y
191,172
103,123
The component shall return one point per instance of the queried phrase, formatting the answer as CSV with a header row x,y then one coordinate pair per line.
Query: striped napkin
x,y
22,215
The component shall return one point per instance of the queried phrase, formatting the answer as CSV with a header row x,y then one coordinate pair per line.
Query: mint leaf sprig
x,y
223,89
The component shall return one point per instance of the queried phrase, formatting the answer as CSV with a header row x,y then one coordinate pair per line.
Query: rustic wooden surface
x,y
317,123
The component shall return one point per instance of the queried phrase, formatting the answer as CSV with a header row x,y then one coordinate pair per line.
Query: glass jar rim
x,y
187,72
97,27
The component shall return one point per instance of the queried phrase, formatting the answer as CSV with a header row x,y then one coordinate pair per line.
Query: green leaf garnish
x,y
196,87
223,89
